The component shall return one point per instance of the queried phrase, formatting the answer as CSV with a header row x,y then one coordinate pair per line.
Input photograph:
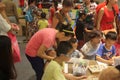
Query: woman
x,y
62,16
11,11
106,17
7,69
4,26
110,73
41,41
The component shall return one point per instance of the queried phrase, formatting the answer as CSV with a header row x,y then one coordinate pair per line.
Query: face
x,y
67,9
74,45
96,40
68,55
62,37
2,7
112,2
86,1
109,42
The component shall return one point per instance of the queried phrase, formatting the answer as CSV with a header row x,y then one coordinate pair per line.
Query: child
x,y
80,27
76,53
107,50
54,70
90,48
43,23
110,73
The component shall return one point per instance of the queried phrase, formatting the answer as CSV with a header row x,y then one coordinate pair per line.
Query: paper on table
x,y
100,63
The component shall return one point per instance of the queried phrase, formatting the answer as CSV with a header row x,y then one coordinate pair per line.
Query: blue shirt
x,y
104,53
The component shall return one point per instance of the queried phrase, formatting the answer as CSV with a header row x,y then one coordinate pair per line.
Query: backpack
x,y
29,16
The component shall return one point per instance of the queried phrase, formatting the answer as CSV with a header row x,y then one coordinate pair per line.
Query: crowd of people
x,y
53,41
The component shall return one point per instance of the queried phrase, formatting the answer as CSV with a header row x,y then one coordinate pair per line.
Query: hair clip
x,y
68,31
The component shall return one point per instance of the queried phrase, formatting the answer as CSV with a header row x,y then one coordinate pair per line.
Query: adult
x,y
5,27
7,69
11,11
41,41
106,17
62,16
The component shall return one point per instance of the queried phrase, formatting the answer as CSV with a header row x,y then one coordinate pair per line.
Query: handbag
x,y
15,46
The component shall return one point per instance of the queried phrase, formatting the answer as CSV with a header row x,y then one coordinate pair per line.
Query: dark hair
x,y
68,3
66,28
95,33
81,13
63,48
73,40
6,59
111,35
31,1
107,1
117,67
43,15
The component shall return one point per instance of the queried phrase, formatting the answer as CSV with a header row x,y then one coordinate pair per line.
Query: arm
x,y
99,17
72,77
5,26
68,17
54,22
41,53
110,62
15,12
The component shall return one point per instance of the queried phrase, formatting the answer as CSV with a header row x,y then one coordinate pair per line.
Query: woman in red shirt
x,y
106,16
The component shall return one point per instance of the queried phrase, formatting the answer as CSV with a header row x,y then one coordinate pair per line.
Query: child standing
x,y
107,50
80,27
90,48
43,23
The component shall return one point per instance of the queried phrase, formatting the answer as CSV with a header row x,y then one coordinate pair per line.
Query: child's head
x,y
95,36
73,41
110,73
43,15
110,38
82,15
64,50
51,52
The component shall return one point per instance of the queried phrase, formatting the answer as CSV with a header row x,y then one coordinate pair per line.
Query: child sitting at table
x,y
54,70
90,48
76,53
106,51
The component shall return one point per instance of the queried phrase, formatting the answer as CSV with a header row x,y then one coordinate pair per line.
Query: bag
x,y
29,16
15,47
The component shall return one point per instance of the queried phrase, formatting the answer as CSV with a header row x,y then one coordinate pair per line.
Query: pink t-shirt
x,y
45,36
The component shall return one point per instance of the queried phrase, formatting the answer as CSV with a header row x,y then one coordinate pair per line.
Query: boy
x,y
54,70
106,51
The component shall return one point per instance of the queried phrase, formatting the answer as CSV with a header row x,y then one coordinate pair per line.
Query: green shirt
x,y
42,23
53,71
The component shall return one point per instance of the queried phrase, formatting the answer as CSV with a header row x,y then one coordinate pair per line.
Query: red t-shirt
x,y
45,36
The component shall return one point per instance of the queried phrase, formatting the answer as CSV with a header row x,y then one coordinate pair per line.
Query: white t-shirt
x,y
4,26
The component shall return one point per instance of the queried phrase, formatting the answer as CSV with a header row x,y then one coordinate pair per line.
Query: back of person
x,y
7,69
42,23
